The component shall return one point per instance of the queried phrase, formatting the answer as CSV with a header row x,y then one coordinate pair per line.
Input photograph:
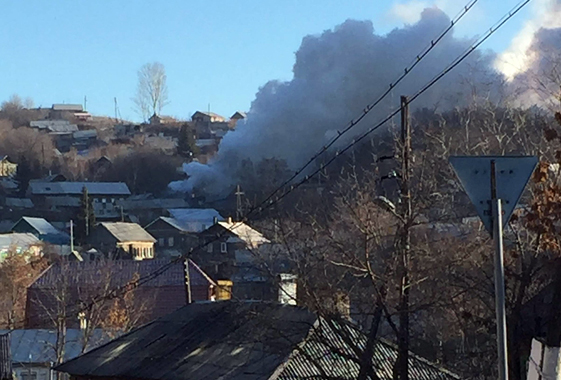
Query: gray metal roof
x,y
215,340
37,346
86,134
127,231
201,215
68,107
75,188
243,340
41,225
181,225
21,240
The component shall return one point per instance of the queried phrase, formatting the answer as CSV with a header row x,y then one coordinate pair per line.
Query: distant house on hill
x,y
160,119
42,229
207,117
153,299
120,237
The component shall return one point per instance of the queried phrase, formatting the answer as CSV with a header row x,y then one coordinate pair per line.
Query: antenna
x,y
85,103
117,111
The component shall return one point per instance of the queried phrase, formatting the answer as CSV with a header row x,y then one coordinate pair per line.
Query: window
x,y
150,252
170,241
223,247
161,242
209,248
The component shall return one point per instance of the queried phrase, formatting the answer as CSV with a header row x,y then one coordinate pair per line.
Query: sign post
x,y
494,185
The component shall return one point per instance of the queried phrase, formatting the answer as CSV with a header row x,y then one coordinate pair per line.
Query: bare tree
x,y
152,91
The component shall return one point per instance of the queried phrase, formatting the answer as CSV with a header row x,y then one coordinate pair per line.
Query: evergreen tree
x,y
186,144
85,218
23,174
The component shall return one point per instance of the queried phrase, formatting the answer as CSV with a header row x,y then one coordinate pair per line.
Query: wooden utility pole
x,y
402,364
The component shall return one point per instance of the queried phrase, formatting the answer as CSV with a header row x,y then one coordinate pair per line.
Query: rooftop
x,y
245,233
244,340
15,239
75,188
42,226
38,345
127,231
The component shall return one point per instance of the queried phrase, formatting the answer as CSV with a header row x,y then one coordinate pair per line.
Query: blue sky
x,y
214,51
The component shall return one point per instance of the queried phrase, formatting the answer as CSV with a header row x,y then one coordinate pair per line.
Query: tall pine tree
x,y
85,218
186,144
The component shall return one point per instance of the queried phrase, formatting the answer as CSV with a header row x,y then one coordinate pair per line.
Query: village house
x,y
154,298
120,239
180,232
7,168
42,229
223,241
239,340
65,197
144,208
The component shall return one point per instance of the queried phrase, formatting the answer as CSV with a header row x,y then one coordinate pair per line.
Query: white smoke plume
x,y
336,74
531,64
524,48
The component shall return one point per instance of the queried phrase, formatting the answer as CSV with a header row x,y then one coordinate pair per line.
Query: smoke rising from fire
x,y
335,75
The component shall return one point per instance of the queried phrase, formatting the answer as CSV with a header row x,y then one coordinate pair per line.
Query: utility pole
x,y
405,244
239,211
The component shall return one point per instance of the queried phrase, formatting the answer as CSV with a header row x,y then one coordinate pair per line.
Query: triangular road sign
x,y
511,175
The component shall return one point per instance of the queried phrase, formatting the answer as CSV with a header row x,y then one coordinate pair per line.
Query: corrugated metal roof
x,y
127,231
75,188
327,353
88,272
243,340
38,346
215,340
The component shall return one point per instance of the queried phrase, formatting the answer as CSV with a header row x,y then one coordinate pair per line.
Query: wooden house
x,y
119,238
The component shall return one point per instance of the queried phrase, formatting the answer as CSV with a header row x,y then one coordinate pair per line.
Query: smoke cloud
x,y
335,75
524,49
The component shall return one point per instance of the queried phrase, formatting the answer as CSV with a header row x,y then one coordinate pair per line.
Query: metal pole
x,y
71,236
499,278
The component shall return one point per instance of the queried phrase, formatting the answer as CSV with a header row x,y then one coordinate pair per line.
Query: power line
x,y
269,201
371,106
